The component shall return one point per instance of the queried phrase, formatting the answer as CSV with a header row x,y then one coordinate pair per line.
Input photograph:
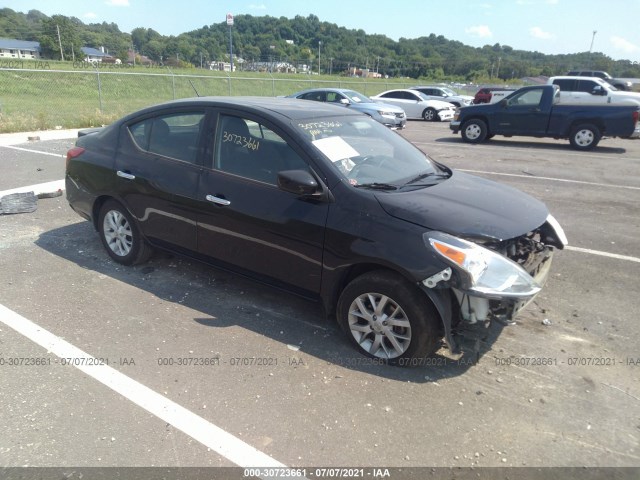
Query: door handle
x,y
217,200
126,175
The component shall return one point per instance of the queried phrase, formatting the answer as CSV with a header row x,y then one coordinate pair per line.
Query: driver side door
x,y
247,223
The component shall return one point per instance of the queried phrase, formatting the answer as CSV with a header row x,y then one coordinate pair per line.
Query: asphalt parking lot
x,y
201,358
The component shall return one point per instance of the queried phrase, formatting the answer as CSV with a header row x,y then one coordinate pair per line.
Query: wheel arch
x,y
481,118
97,206
357,270
596,122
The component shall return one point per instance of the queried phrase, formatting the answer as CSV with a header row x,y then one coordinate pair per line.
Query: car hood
x,y
467,206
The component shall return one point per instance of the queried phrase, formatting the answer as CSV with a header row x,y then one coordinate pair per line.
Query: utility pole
x,y
230,23
591,48
60,43
319,44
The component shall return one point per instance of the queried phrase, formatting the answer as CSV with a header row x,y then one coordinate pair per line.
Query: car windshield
x,y
449,92
368,154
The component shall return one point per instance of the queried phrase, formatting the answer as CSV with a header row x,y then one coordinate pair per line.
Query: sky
x,y
547,26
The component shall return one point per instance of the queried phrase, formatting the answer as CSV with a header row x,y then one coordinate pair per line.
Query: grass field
x,y
55,94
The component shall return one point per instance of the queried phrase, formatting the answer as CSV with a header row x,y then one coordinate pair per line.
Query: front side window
x,y
529,98
173,135
334,97
252,150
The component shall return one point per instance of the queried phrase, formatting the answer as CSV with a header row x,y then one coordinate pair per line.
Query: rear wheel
x,y
585,137
387,317
120,235
474,131
430,115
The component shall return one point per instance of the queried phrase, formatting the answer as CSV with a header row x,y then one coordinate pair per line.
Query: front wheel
x,y
120,235
388,318
585,137
430,115
474,131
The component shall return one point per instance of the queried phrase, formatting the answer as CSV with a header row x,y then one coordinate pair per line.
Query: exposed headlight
x,y
483,271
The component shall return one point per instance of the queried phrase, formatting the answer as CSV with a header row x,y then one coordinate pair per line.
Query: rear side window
x,y
317,96
174,135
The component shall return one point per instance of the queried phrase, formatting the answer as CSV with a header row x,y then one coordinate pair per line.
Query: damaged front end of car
x,y
490,279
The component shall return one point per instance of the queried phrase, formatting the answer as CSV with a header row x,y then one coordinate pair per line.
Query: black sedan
x,y
323,201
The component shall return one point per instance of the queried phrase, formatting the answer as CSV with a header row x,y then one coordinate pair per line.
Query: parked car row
x,y
393,107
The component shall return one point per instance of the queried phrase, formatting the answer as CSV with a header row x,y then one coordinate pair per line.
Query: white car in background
x,y
576,89
445,94
417,105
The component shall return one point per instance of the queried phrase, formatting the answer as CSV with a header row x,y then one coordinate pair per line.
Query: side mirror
x,y
598,91
345,101
300,182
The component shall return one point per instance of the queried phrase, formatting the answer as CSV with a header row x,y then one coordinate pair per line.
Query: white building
x,y
10,48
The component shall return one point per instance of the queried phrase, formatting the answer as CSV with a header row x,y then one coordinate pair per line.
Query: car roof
x,y
326,89
578,77
398,90
290,108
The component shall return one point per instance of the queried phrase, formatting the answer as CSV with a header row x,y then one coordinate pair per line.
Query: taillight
x,y
636,115
73,153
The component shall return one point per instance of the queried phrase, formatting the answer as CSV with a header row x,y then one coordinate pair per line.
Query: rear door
x,y
158,166
246,222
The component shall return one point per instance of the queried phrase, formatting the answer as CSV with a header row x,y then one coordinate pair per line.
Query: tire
x,y
430,115
474,131
585,137
369,304
121,236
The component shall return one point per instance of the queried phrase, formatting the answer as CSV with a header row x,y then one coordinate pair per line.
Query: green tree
x,y
59,31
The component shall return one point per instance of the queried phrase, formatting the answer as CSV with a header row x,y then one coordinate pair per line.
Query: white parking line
x,y
536,177
603,254
213,437
34,151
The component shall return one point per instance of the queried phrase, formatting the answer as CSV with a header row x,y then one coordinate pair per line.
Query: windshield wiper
x,y
377,186
427,175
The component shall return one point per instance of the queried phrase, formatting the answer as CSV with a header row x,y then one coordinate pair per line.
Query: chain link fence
x,y
39,99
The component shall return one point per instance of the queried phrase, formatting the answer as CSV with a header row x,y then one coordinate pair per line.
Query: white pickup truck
x,y
591,90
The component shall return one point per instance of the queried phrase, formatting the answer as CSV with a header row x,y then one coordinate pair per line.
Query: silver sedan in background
x,y
389,115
